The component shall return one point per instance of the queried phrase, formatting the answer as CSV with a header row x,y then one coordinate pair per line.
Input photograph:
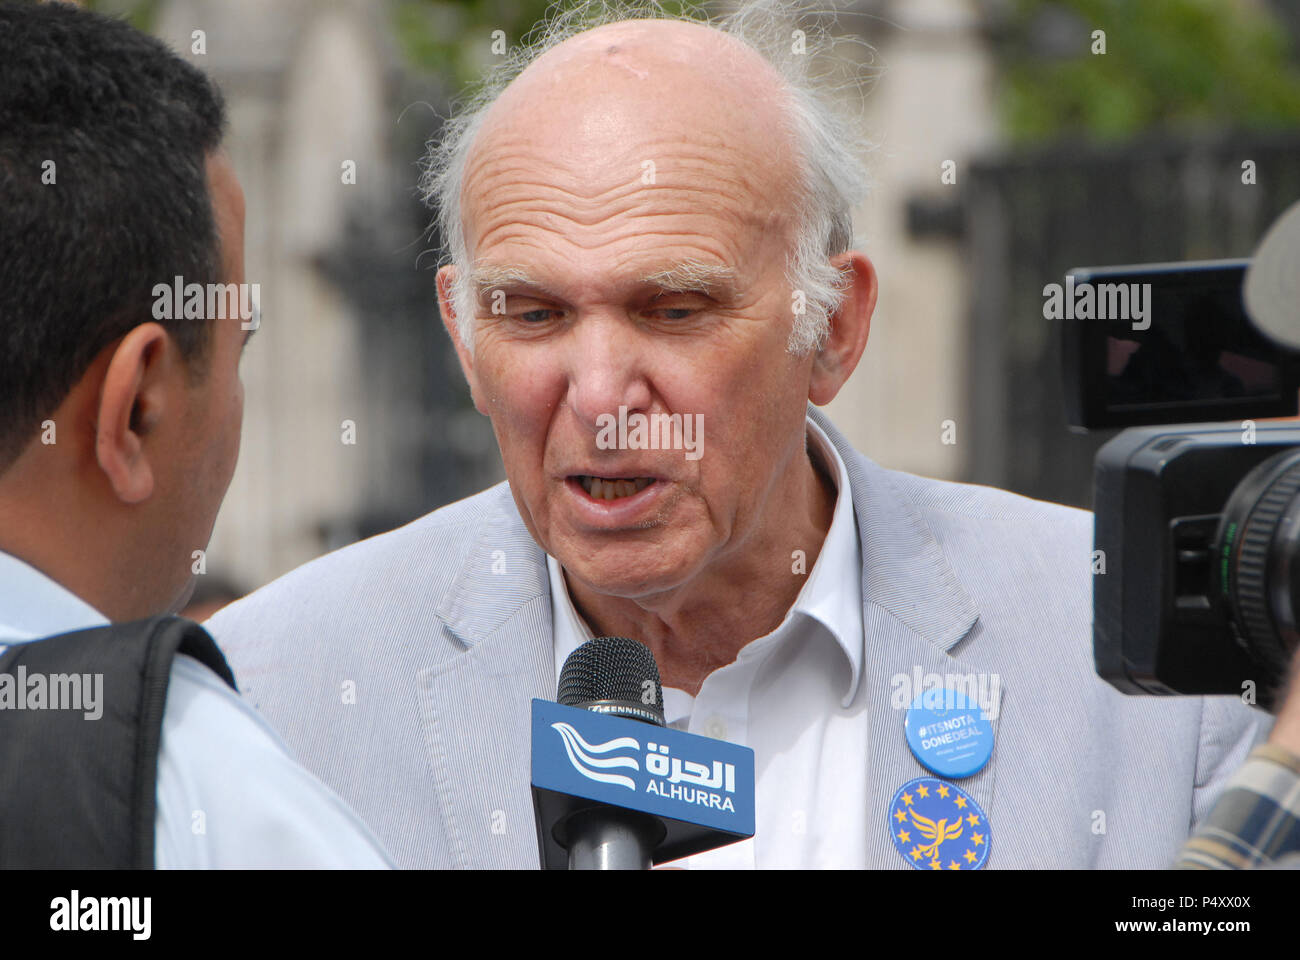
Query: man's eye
x,y
672,313
540,315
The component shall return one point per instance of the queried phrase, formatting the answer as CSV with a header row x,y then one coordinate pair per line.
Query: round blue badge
x,y
938,826
949,734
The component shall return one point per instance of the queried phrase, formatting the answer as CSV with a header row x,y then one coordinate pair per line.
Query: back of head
x,y
104,134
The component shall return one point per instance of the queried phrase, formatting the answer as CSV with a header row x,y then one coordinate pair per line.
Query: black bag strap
x,y
80,793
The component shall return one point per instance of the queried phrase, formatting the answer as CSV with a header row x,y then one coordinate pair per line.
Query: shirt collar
x,y
32,606
832,594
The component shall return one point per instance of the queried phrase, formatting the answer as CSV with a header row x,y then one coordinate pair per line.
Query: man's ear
x,y
850,325
132,404
447,308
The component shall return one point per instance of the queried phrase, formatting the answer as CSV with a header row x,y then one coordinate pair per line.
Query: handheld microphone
x,y
615,789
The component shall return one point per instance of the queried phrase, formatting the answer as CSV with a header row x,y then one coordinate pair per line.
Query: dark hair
x,y
129,126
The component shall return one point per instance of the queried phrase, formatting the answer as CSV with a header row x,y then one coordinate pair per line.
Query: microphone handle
x,y
609,838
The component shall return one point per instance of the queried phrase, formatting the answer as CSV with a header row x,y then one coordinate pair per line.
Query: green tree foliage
x,y
1169,65
453,38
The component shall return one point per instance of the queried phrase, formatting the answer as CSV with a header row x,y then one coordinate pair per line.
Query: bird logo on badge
x,y
937,825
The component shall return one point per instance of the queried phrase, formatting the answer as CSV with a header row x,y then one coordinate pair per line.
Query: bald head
x,y
632,105
670,57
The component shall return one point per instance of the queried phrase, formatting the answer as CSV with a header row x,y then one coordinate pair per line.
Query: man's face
x,y
207,446
588,195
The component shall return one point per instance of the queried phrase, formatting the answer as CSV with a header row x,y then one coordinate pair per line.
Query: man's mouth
x,y
613,488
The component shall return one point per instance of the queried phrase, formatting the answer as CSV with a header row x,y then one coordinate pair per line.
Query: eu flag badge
x,y
936,825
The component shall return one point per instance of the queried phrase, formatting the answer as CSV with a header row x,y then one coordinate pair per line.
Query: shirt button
x,y
715,728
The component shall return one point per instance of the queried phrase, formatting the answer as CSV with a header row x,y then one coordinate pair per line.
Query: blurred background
x,y
1009,149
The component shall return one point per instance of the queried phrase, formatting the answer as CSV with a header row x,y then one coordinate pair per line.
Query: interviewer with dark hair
x,y
119,432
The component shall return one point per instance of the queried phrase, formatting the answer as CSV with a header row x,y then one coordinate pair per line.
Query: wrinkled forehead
x,y
651,117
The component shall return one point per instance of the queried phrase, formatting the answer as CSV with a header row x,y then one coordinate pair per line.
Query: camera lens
x,y
1256,572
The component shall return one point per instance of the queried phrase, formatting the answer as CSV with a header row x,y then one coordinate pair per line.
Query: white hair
x,y
829,147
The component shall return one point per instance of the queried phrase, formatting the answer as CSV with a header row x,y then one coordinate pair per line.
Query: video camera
x,y
1196,555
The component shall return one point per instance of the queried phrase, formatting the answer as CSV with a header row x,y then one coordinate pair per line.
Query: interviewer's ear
x,y
446,307
849,326
136,396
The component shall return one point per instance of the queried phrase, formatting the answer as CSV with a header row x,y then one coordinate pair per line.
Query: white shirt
x,y
228,793
793,698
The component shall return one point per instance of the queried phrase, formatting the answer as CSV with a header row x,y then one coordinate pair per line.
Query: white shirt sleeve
x,y
229,795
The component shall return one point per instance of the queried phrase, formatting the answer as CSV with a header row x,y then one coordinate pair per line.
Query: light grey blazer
x,y
400,670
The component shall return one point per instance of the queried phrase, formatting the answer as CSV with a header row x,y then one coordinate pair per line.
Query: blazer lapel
x,y
476,706
915,615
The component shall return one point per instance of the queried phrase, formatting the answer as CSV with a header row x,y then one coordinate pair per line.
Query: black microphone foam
x,y
614,675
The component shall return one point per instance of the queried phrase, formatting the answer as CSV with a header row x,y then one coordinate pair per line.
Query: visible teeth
x,y
603,488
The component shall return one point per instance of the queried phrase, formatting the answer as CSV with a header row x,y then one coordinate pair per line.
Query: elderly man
x,y
652,219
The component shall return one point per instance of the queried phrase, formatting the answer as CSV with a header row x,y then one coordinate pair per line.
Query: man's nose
x,y
606,369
